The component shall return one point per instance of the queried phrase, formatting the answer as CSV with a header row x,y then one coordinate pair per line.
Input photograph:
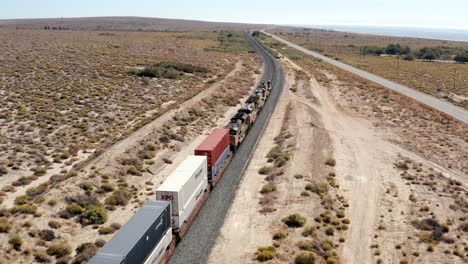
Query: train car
x,y
184,188
251,110
143,239
237,131
216,149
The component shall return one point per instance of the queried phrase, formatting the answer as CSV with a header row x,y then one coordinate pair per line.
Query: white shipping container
x,y
182,187
158,252
179,220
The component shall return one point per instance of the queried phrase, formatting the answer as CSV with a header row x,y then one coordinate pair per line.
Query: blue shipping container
x,y
219,163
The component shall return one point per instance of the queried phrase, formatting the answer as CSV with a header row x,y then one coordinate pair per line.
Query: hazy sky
x,y
426,13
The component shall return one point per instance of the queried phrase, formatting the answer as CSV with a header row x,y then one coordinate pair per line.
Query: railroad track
x,y
196,245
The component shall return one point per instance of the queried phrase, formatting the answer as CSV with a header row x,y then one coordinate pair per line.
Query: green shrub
x,y
41,257
305,257
74,209
305,245
94,214
39,171
5,226
16,241
86,186
327,245
3,170
330,231
294,220
52,201
59,249
265,253
105,230
21,200
35,191
118,197
107,187
24,209
317,187
265,170
267,188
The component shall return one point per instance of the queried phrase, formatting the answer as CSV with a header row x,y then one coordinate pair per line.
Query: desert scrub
x,y
330,162
280,234
107,187
265,170
319,188
54,224
265,253
41,257
168,70
94,214
268,188
118,197
5,226
294,220
85,252
59,249
3,170
305,257
16,241
105,230
47,234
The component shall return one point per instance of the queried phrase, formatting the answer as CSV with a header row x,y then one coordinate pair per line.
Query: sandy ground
x,y
379,211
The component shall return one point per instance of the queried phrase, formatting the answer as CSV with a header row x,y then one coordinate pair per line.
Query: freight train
x,y
152,233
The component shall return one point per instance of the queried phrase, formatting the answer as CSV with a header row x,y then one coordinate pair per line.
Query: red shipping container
x,y
214,146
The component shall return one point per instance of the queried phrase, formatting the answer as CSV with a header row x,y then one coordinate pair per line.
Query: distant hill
x,y
124,24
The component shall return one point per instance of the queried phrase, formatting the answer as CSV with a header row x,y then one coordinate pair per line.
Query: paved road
x,y
442,106
196,246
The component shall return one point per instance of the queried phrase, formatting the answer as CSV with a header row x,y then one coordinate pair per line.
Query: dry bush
x,y
59,249
265,253
100,242
54,224
116,225
5,226
280,234
319,188
118,197
268,188
16,241
265,170
305,257
105,230
47,234
85,252
330,162
41,257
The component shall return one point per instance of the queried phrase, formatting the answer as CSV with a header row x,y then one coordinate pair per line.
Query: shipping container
x,y
183,186
137,239
159,251
216,149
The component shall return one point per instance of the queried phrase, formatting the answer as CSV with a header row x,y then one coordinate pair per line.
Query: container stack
x,y
184,188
